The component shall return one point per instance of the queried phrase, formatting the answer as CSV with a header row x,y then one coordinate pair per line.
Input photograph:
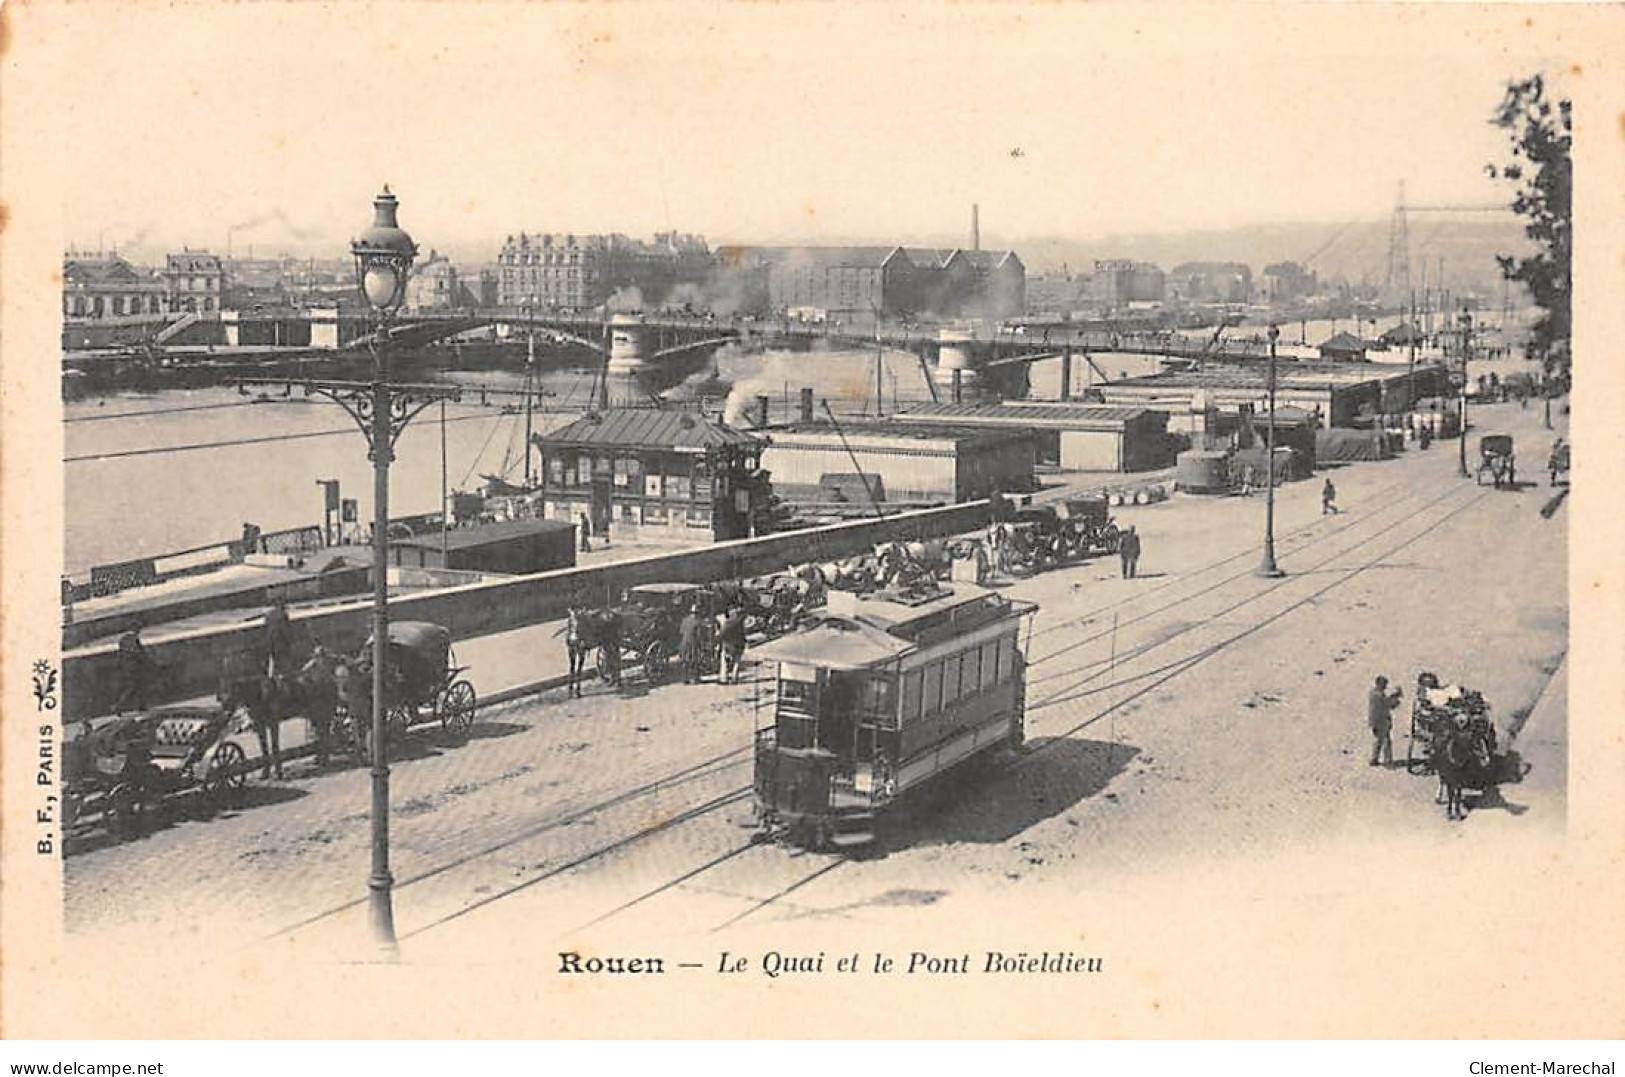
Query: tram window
x,y
950,680
913,689
877,698
796,694
933,688
990,663
970,677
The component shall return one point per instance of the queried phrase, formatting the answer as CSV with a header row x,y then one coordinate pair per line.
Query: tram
x,y
882,694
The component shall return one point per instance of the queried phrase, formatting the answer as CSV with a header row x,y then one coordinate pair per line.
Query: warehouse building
x,y
633,470
914,463
1077,437
1336,392
513,547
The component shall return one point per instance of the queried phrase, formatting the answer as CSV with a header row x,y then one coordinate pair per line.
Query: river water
x,y
152,473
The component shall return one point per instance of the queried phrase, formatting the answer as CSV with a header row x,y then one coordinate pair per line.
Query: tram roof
x,y
837,643
862,631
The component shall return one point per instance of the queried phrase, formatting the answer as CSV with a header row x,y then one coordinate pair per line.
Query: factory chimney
x,y
975,227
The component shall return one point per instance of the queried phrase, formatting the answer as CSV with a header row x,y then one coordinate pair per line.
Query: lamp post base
x,y
1269,571
381,913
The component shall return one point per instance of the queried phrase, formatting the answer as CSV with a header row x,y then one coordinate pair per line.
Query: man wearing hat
x,y
1380,704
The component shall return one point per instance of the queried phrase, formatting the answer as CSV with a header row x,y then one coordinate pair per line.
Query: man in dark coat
x,y
135,667
1128,549
1380,704
279,641
691,645
1328,498
733,644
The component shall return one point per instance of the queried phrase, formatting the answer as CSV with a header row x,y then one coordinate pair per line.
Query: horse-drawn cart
x,y
116,771
419,674
1496,460
1088,526
1452,736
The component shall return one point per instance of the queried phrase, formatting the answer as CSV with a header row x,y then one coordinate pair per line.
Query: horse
x,y
589,630
1461,756
269,700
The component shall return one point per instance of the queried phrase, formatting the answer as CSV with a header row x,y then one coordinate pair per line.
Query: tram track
x,y
724,761
1248,553
1194,626
1161,675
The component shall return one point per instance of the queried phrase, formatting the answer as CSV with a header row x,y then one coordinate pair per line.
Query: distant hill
x,y
1355,251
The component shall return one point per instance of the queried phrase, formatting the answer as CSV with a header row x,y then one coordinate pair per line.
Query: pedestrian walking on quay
x,y
1380,704
586,530
733,644
1128,548
1328,499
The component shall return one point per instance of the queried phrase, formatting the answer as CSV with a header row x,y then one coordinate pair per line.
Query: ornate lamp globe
x,y
383,255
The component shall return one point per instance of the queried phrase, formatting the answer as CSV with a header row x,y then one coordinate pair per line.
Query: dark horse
x,y
589,630
310,694
1462,756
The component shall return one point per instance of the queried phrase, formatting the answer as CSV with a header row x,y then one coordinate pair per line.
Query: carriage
x,y
650,619
117,770
418,674
1036,539
882,696
1089,526
1496,460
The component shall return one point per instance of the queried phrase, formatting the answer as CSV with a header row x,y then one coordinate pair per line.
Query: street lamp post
x,y
383,257
1268,568
1461,438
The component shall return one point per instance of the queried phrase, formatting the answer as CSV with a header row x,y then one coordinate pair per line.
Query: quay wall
x,y
192,660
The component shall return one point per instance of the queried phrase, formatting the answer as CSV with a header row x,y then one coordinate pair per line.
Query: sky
x,y
276,124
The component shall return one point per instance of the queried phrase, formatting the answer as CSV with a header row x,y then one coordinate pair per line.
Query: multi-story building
x,y
1286,281
674,473
196,281
581,271
434,285
855,282
96,286
1211,282
1119,282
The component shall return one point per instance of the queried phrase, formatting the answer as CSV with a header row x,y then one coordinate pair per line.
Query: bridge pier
x,y
625,366
956,368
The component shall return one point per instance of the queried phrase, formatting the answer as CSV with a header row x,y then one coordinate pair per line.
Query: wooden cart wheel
x,y
1417,759
457,705
227,777
401,716
124,811
654,661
